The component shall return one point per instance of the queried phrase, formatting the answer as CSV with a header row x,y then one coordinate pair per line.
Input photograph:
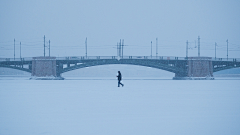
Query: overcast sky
x,y
104,22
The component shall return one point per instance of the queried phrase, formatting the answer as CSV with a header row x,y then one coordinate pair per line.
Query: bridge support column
x,y
198,68
30,66
44,68
59,69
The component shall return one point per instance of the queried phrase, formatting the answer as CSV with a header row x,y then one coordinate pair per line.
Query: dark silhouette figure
x,y
119,79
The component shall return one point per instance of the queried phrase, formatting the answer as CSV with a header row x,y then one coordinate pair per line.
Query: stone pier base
x,y
46,78
193,78
197,68
44,68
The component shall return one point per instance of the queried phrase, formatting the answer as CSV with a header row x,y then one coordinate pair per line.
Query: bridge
x,y
183,67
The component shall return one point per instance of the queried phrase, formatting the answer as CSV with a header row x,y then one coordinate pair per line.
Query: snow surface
x,y
78,106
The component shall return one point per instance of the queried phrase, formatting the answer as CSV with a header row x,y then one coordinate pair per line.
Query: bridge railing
x,y
226,59
16,59
122,57
155,57
85,57
117,57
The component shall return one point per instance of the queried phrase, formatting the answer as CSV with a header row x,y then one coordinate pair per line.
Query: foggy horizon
x,y
68,23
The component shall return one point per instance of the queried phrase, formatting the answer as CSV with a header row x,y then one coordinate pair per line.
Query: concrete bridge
x,y
183,67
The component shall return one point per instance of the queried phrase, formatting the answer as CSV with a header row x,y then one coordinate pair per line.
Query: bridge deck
x,y
169,63
116,57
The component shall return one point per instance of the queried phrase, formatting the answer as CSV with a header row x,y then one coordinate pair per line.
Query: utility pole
x,y
122,47
156,47
20,51
14,48
49,48
151,49
44,45
198,46
86,46
215,50
187,49
117,49
227,49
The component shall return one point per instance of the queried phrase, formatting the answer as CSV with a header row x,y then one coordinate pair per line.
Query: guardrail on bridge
x,y
116,57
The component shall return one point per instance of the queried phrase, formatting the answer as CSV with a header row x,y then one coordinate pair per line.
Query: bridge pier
x,y
44,68
30,66
197,68
59,69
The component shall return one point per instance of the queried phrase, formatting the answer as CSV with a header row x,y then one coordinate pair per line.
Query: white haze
x,y
105,22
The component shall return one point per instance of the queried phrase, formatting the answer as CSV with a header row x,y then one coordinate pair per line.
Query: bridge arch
x,y
10,72
111,70
153,64
224,68
17,68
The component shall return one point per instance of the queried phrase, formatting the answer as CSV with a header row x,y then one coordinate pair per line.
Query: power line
x,y
198,46
44,46
187,49
227,48
122,46
49,48
14,48
20,51
215,49
156,47
151,48
86,46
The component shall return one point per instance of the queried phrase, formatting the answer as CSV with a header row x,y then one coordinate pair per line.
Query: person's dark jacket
x,y
119,76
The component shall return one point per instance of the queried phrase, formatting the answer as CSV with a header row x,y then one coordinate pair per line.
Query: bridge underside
x,y
223,65
171,66
18,65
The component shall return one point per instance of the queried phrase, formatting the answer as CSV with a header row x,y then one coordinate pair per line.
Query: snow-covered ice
x,y
98,107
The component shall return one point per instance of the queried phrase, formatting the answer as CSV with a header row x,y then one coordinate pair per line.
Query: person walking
x,y
119,79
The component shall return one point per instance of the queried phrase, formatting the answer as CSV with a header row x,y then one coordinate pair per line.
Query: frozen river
x,y
78,106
